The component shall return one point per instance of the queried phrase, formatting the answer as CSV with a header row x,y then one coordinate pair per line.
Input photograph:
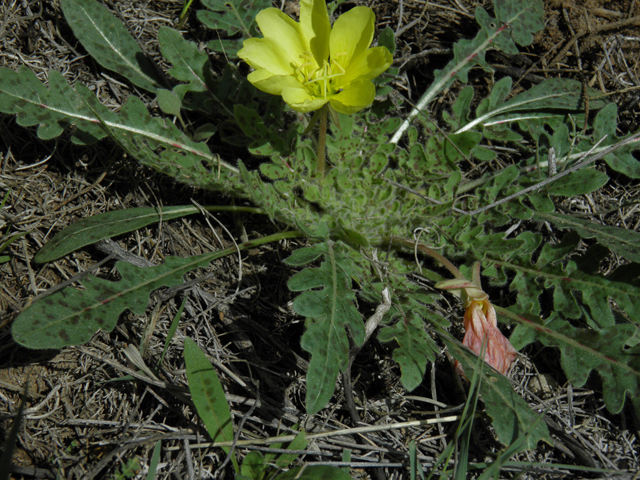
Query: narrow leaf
x,y
511,415
207,394
624,242
93,229
109,43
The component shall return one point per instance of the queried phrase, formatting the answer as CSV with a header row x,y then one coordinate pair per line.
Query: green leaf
x,y
231,17
328,302
260,134
622,160
549,99
511,415
624,242
109,43
283,460
141,135
607,351
515,23
387,39
71,316
169,102
253,466
93,229
314,472
579,183
192,66
207,394
416,348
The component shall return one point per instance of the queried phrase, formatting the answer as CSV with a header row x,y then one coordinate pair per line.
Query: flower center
x,y
320,81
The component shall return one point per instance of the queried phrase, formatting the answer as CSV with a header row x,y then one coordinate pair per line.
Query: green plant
x,y
375,195
128,470
208,396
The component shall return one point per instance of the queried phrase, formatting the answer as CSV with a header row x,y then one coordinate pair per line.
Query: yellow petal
x,y
265,53
270,83
351,35
366,66
353,99
316,27
283,32
300,100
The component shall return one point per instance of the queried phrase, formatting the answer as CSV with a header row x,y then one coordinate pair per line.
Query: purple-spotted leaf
x,y
109,42
153,141
625,242
71,316
207,394
93,229
611,352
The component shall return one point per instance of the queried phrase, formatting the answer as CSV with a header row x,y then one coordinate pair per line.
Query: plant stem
x,y
322,139
424,249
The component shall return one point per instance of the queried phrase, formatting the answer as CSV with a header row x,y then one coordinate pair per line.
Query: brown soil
x,y
84,420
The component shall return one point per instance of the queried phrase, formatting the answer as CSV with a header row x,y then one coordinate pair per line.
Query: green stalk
x,y
322,139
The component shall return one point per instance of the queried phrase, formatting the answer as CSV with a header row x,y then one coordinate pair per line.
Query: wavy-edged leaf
x,y
231,17
539,102
610,351
192,66
511,415
207,394
328,303
156,142
109,43
416,348
621,160
624,242
515,23
71,316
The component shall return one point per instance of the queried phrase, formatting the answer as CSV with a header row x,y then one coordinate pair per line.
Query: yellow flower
x,y
310,64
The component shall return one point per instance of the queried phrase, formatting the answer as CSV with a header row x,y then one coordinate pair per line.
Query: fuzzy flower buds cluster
x,y
481,325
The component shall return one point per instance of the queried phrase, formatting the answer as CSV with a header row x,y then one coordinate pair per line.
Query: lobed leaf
x,y
624,242
328,302
72,316
153,141
109,43
416,348
231,17
611,351
515,23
